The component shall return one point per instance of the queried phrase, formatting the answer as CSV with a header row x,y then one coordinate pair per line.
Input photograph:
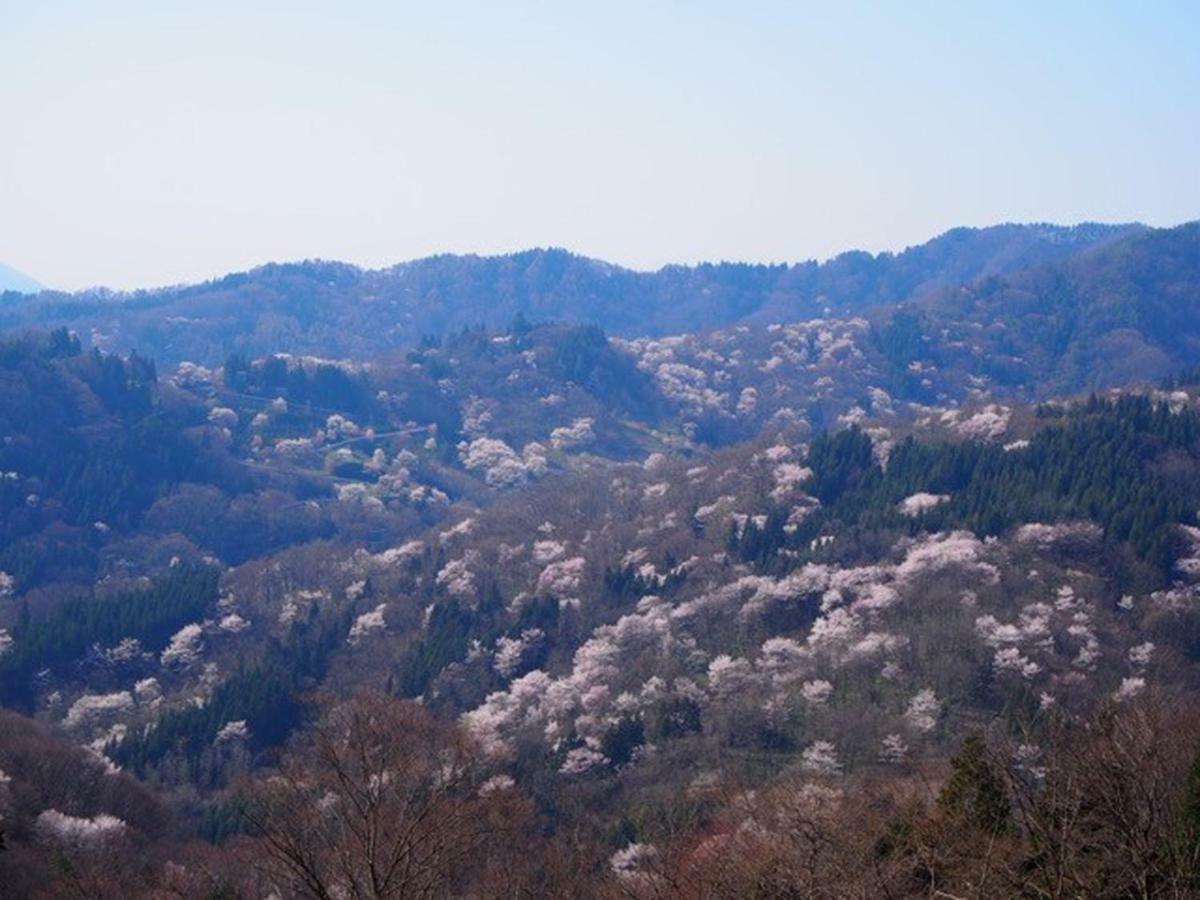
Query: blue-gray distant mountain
x,y
334,309
12,280
844,514
1114,314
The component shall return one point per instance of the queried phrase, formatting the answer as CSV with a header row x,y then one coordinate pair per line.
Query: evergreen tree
x,y
975,790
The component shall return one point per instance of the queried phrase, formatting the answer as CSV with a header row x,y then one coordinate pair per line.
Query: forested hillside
x,y
336,310
892,598
1102,318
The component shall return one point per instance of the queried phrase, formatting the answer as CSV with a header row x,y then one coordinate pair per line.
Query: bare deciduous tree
x,y
384,802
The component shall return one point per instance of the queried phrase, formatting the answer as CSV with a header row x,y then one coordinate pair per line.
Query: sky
x,y
152,143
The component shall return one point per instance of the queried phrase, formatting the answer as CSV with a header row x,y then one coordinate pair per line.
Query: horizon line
x,y
552,248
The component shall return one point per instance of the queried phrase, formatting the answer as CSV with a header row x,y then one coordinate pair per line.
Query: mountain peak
x,y
14,280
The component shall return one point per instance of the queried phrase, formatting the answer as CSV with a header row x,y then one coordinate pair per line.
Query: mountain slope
x,y
669,594
19,282
333,309
1114,314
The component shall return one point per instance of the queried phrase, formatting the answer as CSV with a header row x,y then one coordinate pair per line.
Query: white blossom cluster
x,y
652,653
788,478
340,428
632,859
562,578
582,759
76,831
396,556
688,386
230,732
747,401
820,758
923,710
510,651
708,372
460,530
476,416
223,417
296,603
233,623
915,504
90,707
500,463
588,701
367,623
944,550
579,433
185,647
457,578
893,749
191,375
548,551
986,424
126,650
1130,687
1045,536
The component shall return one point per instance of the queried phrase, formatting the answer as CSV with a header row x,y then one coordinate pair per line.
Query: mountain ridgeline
x,y
14,281
533,576
337,310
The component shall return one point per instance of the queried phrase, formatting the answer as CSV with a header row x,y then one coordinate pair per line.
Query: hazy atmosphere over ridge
x,y
223,136
629,451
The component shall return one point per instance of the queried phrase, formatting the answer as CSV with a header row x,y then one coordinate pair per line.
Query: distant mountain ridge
x,y
336,309
1114,314
805,548
14,280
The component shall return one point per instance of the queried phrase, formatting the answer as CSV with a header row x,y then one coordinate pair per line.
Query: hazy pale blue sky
x,y
144,143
